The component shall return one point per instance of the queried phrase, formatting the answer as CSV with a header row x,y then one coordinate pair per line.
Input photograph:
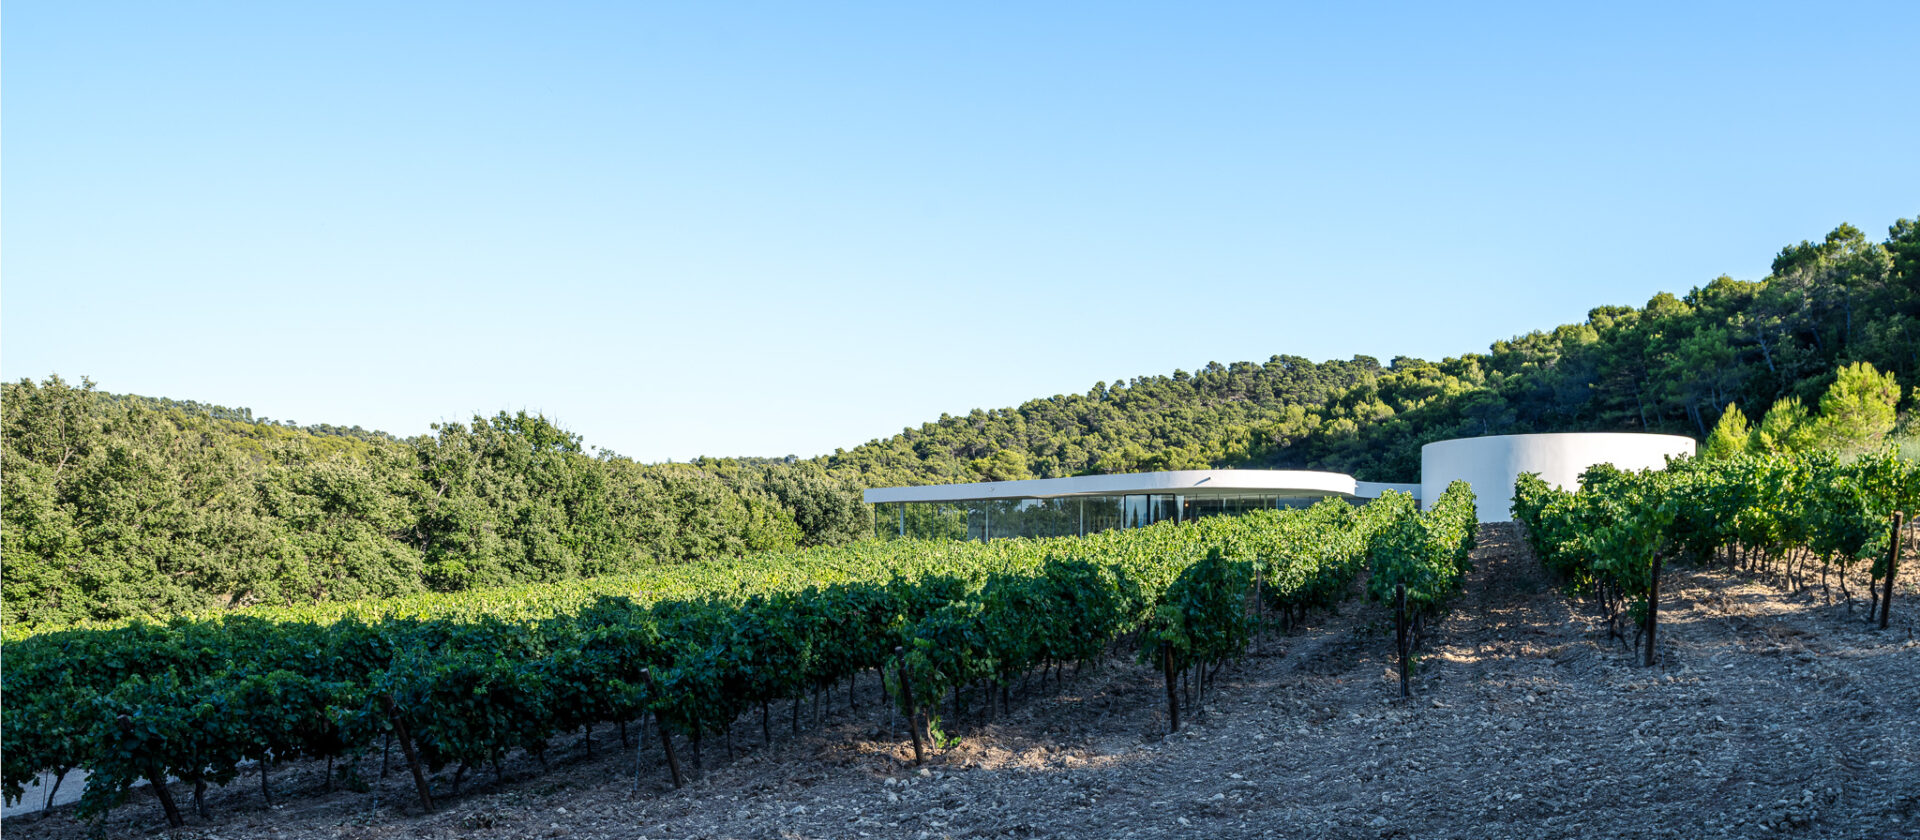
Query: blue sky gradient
x,y
785,228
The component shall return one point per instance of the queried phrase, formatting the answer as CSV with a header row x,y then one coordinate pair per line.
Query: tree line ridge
x,y
117,506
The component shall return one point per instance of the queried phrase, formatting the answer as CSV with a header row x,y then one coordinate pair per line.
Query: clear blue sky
x,y
783,228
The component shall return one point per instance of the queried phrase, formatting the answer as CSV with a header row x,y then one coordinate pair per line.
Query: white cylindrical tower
x,y
1492,463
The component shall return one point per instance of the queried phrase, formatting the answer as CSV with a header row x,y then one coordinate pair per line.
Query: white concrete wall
x,y
1492,463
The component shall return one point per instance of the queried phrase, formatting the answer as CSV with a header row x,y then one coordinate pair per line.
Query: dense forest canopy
x,y
1672,365
119,505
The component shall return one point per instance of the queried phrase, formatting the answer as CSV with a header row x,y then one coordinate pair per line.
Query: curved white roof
x,y
1183,482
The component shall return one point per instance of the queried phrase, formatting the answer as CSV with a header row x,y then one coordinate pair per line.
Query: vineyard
x,y
1787,515
694,652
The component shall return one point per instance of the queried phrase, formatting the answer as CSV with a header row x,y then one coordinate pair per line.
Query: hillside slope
x,y
119,506
1672,365
116,506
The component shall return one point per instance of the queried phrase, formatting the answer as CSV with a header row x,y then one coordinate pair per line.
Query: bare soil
x,y
1770,713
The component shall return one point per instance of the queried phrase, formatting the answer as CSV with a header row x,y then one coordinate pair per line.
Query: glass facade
x,y
1062,517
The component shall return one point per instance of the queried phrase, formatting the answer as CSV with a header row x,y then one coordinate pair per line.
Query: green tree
x,y
49,431
341,528
118,509
1730,436
1004,465
1858,408
1785,428
512,498
827,510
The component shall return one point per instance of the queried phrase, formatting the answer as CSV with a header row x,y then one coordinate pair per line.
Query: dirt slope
x,y
1770,714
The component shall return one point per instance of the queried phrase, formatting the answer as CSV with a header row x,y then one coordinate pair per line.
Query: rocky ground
x,y
1770,713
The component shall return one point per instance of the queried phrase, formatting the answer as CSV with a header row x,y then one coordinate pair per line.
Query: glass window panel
x,y
1103,513
1165,507
1066,517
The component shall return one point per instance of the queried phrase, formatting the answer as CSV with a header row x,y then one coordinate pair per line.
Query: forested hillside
x,y
116,505
1672,365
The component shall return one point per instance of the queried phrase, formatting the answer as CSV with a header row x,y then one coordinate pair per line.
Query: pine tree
x,y
1729,437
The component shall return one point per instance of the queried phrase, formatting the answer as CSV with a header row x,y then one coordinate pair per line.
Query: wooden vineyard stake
x,y
1173,690
406,749
1259,607
666,738
1401,638
1653,610
639,752
913,717
1893,566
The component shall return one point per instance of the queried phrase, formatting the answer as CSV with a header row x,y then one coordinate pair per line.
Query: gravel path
x,y
1769,714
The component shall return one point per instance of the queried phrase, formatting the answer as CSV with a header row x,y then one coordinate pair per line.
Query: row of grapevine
x,y
1428,553
1775,512
1193,602
1420,561
462,681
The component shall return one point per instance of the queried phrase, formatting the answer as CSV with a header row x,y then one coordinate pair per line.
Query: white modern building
x,y
1492,463
1079,505
1083,504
